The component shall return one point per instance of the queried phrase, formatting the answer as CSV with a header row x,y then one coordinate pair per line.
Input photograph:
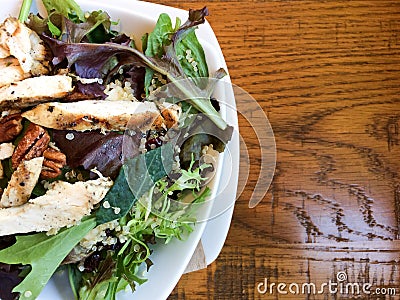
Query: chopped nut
x,y
54,161
34,142
10,127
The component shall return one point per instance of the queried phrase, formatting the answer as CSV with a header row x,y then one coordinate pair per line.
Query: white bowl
x,y
170,261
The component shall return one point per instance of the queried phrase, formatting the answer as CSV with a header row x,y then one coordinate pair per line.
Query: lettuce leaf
x,y
67,8
136,177
156,41
179,45
44,254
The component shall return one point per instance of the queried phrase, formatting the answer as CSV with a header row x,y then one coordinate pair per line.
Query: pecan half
x,y
54,161
10,127
34,142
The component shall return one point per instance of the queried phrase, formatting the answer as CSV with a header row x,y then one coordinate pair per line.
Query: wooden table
x,y
327,74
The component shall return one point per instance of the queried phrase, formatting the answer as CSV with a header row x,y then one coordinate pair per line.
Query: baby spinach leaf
x,y
136,177
44,254
119,196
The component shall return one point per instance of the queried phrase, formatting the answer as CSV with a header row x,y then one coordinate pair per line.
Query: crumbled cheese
x,y
106,204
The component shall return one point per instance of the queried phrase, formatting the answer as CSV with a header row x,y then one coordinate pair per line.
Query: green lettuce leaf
x,y
179,44
142,172
156,41
44,254
67,8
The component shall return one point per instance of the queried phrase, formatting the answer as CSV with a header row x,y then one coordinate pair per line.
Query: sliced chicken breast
x,y
22,182
11,71
104,115
64,204
6,151
32,91
19,41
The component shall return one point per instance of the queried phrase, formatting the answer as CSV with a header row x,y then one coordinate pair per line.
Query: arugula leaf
x,y
67,8
141,225
136,177
44,254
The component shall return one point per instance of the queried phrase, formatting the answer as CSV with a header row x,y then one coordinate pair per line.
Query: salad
x,y
105,146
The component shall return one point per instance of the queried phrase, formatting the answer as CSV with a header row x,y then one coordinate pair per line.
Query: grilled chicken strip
x,y
6,151
64,204
22,182
19,41
104,115
11,71
32,91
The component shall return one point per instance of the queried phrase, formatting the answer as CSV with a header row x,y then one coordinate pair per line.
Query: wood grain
x,y
327,74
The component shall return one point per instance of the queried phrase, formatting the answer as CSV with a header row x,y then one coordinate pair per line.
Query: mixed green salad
x,y
142,179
